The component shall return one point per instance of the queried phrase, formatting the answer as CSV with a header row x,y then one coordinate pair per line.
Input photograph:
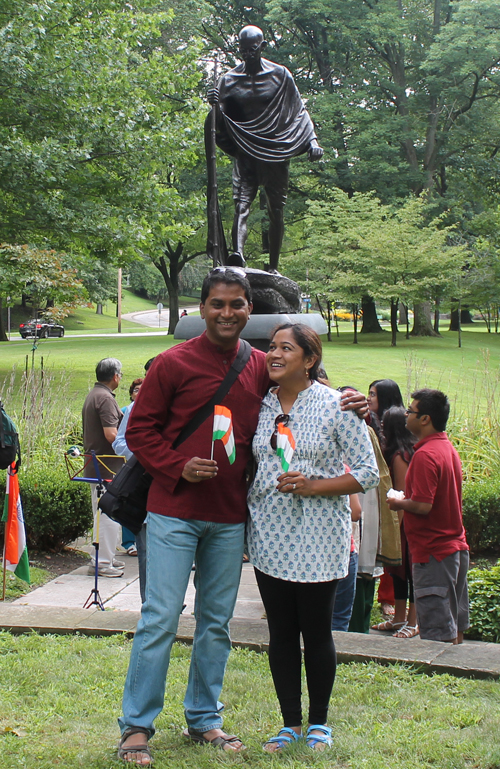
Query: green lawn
x,y
382,717
464,373
15,587
468,374
72,362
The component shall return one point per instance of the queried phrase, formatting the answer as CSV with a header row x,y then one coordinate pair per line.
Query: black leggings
x,y
293,608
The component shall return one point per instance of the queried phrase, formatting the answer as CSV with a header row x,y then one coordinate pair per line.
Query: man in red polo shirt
x,y
433,522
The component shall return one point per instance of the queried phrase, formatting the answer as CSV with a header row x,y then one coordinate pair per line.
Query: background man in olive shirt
x,y
101,417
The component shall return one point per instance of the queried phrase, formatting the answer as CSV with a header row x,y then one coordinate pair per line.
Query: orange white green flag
x,y
15,552
223,430
285,446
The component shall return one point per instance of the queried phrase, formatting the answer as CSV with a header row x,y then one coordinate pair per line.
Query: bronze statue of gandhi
x,y
261,122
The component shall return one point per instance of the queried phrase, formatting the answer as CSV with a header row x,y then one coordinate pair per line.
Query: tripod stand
x,y
94,598
73,459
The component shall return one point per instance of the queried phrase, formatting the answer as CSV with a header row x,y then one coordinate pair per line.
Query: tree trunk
x,y
370,320
3,333
422,324
99,308
459,324
327,316
394,321
172,284
465,317
403,314
354,309
173,304
176,262
436,315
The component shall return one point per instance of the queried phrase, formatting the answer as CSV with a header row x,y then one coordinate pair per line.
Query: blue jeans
x,y
128,538
172,546
344,598
140,542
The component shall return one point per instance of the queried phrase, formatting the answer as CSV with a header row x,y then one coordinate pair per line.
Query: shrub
x,y
484,598
56,510
481,511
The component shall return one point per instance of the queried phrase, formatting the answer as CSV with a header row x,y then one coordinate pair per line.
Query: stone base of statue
x,y
259,328
276,300
273,293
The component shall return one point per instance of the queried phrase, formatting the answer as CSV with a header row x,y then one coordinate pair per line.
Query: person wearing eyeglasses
x,y
433,521
299,530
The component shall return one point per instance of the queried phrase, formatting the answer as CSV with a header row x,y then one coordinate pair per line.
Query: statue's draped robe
x,y
280,129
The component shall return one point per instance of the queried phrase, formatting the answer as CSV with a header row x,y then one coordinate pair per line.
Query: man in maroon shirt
x,y
197,513
433,522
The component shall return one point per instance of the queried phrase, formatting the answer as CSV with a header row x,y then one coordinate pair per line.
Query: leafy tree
x,y
359,246
99,280
144,279
43,275
482,277
98,120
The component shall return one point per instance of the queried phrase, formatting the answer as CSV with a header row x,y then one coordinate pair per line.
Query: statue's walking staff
x,y
216,241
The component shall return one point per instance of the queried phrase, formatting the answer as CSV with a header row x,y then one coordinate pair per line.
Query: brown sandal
x,y
143,748
389,624
407,631
219,742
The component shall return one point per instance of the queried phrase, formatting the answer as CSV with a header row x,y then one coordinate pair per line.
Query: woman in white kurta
x,y
300,524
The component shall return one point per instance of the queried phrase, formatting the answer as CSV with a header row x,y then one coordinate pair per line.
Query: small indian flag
x,y
223,430
285,446
15,551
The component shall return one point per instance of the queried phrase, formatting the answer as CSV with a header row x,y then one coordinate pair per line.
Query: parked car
x,y
40,328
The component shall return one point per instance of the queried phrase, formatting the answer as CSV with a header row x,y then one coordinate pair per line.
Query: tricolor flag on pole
x,y
15,554
223,430
285,446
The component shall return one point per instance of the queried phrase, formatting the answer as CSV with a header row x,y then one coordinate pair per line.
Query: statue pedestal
x,y
276,300
259,328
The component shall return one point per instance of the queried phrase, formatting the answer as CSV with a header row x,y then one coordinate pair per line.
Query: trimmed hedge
x,y
484,601
481,512
56,510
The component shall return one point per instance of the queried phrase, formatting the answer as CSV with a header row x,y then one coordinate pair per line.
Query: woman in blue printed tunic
x,y
300,523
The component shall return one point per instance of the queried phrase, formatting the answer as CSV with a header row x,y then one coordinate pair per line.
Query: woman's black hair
x,y
308,340
388,394
397,438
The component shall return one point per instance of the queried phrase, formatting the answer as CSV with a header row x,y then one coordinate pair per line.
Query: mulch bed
x,y
59,563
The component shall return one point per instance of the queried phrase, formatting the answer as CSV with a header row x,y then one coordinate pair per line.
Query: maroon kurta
x,y
180,381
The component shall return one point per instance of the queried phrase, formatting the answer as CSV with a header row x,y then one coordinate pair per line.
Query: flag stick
x,y
212,452
4,570
4,560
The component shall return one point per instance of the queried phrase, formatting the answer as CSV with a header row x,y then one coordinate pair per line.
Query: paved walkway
x,y
57,607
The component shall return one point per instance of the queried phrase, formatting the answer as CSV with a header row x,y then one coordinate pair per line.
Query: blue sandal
x,y
285,738
319,741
